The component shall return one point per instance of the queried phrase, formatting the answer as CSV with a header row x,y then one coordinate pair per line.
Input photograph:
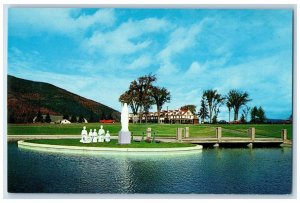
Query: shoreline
x,y
105,150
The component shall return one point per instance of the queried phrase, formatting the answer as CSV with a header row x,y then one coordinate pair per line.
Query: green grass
x,y
161,130
112,143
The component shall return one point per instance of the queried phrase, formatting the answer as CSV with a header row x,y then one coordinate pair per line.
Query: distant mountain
x,y
26,98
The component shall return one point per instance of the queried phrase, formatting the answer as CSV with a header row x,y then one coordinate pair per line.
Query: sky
x,y
96,53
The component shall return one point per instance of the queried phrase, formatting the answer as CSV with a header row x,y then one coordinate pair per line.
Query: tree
x,y
11,117
237,99
92,118
81,119
229,106
261,117
254,115
39,117
47,119
243,118
214,101
246,111
214,119
203,113
190,107
137,97
147,107
73,119
160,97
66,116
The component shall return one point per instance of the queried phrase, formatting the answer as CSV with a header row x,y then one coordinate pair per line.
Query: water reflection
x,y
238,171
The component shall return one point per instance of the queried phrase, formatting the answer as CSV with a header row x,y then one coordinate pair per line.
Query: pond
x,y
212,171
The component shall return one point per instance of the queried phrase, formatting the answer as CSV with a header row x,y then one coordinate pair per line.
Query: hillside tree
x,y
73,119
39,117
48,119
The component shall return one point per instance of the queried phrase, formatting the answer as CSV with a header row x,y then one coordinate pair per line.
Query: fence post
x,y
218,133
186,132
148,132
284,134
179,134
251,133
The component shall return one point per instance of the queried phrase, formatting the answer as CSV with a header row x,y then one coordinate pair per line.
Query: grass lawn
x,y
161,130
112,143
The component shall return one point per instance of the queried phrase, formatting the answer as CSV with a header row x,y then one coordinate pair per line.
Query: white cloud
x,y
142,62
195,69
34,21
125,39
181,39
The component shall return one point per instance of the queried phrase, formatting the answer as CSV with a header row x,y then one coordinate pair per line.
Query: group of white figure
x,y
90,137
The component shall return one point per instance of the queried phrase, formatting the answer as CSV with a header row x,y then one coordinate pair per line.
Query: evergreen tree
x,y
11,117
203,113
39,117
92,118
81,119
254,115
261,117
47,119
66,116
73,119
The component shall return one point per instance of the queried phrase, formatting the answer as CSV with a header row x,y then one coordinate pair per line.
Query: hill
x,y
26,98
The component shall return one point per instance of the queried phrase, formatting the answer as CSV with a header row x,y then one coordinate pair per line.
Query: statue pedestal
x,y
124,137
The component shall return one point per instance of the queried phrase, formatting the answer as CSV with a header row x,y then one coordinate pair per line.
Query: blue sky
x,y
96,53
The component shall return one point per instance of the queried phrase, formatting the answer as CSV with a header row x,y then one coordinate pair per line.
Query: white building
x,y
170,116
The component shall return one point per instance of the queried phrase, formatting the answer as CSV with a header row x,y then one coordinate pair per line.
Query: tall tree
x,y
214,100
130,97
138,94
261,117
147,107
254,115
246,111
242,118
203,113
237,99
160,96
190,107
229,106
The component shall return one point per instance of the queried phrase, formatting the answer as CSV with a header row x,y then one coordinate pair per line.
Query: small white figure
x,y
101,133
90,138
107,136
84,135
95,136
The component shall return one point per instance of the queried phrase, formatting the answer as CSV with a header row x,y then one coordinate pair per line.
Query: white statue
x,y
95,135
107,136
84,135
124,118
124,135
90,138
101,133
